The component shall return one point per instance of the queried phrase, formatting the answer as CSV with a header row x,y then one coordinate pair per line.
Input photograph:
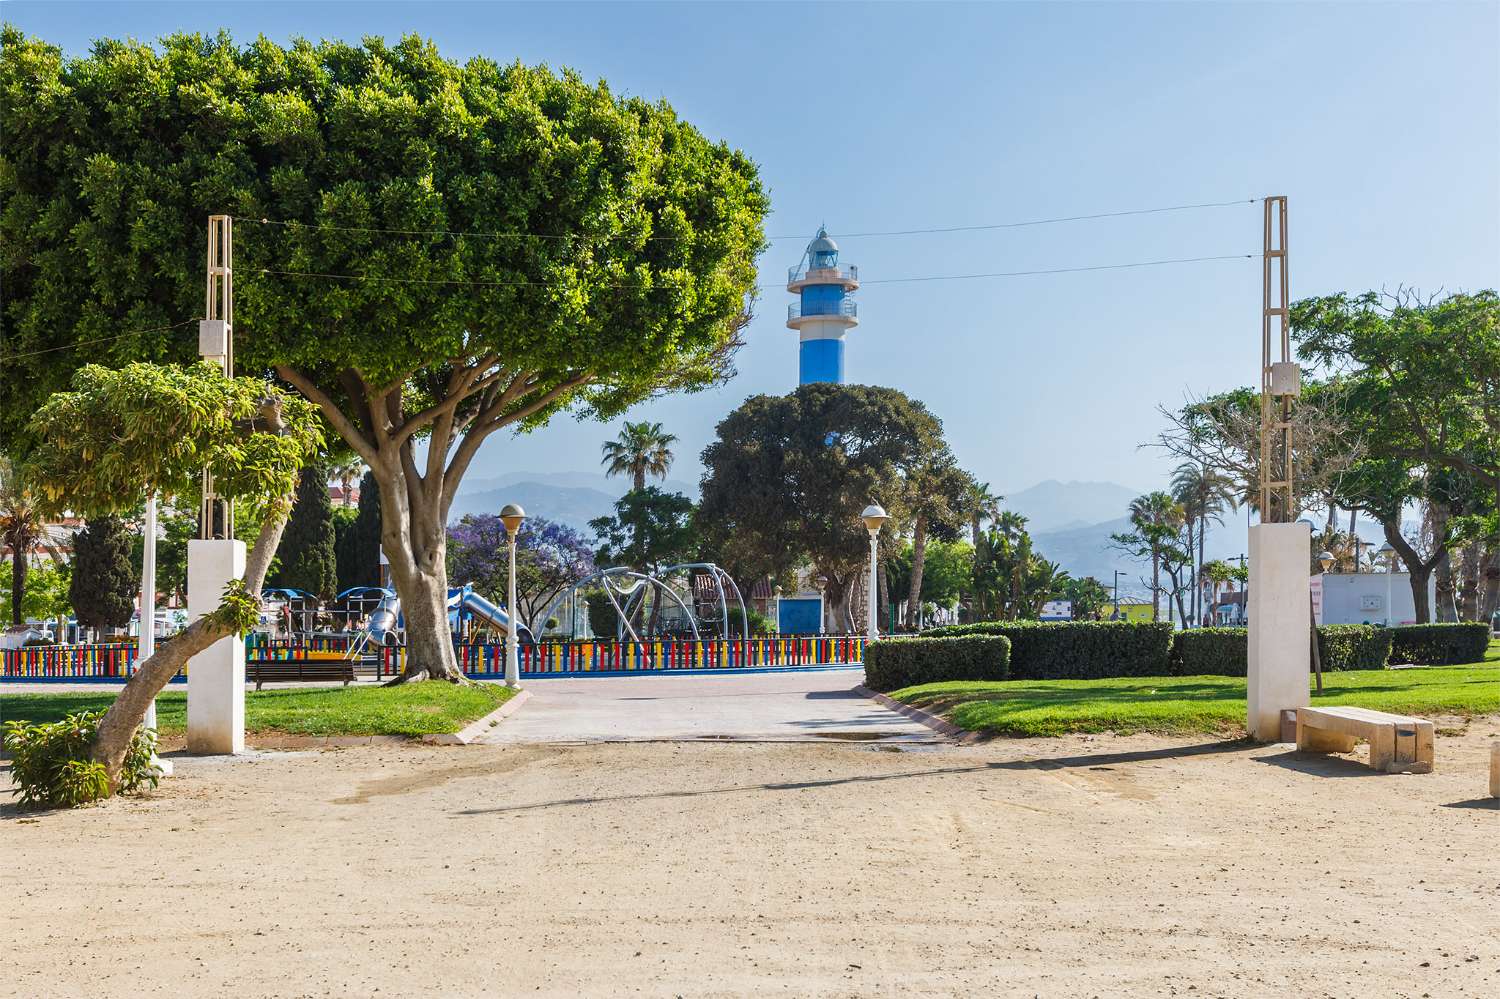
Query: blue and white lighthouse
x,y
824,311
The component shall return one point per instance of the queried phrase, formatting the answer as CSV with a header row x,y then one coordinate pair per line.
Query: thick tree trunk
x,y
1155,586
1489,601
1468,593
415,541
1445,591
918,560
118,726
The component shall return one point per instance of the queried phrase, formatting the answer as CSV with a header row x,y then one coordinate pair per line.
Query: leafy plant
x,y
52,768
1440,644
1077,650
905,662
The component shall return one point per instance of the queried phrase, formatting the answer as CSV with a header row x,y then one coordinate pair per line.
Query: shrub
x,y
1211,652
1226,651
1440,644
1353,646
1077,650
51,767
894,663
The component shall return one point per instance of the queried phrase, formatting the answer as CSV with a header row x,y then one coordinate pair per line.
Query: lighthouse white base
x,y
1280,622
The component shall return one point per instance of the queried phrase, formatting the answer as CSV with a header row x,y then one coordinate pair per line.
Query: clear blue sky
x,y
1381,122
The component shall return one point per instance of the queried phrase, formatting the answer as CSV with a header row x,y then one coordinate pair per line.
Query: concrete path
x,y
812,706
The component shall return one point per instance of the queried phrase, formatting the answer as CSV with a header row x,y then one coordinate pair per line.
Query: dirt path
x,y
1069,867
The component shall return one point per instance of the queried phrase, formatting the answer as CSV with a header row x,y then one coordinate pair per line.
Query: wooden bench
x,y
1398,744
292,670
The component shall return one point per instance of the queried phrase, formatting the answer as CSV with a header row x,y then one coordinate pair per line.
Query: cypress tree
x,y
306,555
359,542
105,580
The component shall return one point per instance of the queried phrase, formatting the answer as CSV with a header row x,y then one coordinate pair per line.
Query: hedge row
x,y
903,662
1440,644
1225,651
1077,650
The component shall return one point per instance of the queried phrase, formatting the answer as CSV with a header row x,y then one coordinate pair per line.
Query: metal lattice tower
x,y
216,344
1280,380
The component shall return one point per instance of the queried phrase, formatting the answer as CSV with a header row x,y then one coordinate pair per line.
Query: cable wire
x,y
102,339
898,280
292,224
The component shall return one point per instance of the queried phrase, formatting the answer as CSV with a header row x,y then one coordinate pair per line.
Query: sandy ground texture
x,y
1085,866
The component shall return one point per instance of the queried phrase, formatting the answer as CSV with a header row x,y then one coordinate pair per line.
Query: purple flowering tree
x,y
550,557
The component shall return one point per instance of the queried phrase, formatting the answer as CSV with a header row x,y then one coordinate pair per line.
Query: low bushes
x,y
894,663
1077,650
51,767
1440,644
1226,651
1353,646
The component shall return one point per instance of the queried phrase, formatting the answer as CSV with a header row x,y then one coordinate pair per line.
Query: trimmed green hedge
x,y
1226,651
1440,644
894,663
1353,646
1077,650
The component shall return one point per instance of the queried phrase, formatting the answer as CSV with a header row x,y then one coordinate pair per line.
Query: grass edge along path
x,y
414,709
1188,705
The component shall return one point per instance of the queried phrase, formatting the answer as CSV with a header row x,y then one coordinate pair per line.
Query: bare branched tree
x,y
1222,433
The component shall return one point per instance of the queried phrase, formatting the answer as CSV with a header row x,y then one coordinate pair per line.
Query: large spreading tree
x,y
432,253
787,477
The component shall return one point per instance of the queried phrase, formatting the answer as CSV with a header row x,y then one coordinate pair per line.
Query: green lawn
x,y
1183,705
362,709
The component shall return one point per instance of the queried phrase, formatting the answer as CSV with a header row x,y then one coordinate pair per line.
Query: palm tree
x,y
1155,516
983,505
1203,494
22,529
641,449
347,472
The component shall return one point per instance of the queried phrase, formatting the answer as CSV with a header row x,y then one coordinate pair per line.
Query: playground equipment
x,y
679,600
373,613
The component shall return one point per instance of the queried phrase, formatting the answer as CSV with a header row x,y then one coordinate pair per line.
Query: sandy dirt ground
x,y
1086,866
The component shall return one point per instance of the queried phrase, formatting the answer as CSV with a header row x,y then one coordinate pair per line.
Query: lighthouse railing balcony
x,y
813,310
838,272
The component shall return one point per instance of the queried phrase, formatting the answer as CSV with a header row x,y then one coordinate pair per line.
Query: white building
x,y
1367,598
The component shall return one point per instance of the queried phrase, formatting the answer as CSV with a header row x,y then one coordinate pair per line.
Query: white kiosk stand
x,y
1280,623
216,677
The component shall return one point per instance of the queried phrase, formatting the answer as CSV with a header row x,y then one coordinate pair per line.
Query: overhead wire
x,y
102,339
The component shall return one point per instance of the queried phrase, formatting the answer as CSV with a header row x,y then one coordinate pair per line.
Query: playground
x,y
822,868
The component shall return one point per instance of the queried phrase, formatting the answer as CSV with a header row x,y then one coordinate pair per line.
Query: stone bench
x,y
1398,744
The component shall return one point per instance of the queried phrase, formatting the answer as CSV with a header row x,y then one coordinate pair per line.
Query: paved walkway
x,y
811,706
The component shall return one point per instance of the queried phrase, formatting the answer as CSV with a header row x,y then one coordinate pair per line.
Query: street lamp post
x,y
873,516
146,640
1387,553
511,516
1117,594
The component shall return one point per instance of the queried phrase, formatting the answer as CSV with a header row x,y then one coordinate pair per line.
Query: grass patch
x,y
412,709
1186,705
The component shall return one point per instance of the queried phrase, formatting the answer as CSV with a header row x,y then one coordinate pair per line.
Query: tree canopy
x,y
423,249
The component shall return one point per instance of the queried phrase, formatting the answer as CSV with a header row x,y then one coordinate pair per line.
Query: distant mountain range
x,y
1060,506
572,498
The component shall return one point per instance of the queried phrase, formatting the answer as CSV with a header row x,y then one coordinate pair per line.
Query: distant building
x,y
1366,598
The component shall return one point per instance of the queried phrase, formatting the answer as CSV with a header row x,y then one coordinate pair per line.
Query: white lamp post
x,y
873,517
511,516
1387,553
146,640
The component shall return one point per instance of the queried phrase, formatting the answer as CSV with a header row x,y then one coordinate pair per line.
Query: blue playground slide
x,y
385,620
465,601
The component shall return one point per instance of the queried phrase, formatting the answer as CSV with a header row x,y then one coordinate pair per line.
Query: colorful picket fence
x,y
582,658
117,661
68,662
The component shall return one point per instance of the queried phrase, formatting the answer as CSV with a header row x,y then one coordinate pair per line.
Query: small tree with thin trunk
x,y
120,435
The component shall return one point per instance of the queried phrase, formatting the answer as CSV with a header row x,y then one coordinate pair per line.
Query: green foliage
x,y
1439,644
1090,598
238,609
118,435
650,529
604,620
105,584
306,555
1077,649
358,547
1225,651
50,762
760,624
903,662
641,449
787,476
46,593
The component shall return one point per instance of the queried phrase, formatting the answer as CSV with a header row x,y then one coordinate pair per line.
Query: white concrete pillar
x,y
216,676
1280,625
